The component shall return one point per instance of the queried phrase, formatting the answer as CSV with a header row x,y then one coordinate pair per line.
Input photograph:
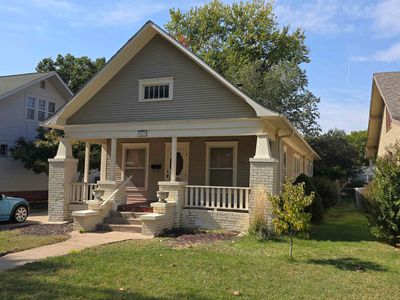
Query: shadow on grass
x,y
349,264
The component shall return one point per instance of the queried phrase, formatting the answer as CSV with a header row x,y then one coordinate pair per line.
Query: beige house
x,y
166,121
384,115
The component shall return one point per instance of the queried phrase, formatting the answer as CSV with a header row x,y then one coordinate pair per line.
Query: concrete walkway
x,y
76,242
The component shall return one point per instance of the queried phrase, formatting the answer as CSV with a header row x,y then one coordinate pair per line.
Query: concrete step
x,y
119,227
122,220
127,214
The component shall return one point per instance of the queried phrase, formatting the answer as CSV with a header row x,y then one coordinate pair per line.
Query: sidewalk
x,y
76,242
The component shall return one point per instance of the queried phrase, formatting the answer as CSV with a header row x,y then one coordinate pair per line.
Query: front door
x,y
182,162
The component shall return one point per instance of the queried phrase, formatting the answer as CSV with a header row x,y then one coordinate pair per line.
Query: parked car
x,y
13,209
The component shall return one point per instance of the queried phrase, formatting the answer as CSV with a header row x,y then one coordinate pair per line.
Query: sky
x,y
349,40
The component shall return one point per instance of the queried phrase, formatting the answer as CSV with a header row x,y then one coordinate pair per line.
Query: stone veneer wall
x,y
210,219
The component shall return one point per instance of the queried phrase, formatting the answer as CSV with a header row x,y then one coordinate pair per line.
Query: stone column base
x,y
176,191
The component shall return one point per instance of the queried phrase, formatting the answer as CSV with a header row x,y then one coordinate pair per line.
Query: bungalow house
x,y
384,114
25,101
166,121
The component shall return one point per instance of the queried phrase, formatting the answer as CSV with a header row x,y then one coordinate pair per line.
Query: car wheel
x,y
20,214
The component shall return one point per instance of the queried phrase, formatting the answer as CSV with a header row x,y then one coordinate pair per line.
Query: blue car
x,y
13,209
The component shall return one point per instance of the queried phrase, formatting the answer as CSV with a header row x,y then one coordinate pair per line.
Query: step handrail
x,y
116,190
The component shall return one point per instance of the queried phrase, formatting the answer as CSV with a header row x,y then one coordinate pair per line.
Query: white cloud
x,y
386,18
391,54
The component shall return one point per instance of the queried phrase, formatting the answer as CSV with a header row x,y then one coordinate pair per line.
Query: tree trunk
x,y
291,246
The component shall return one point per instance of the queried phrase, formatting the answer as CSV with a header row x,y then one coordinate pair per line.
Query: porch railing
x,y
217,197
82,191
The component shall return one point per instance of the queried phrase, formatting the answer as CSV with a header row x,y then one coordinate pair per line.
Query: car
x,y
13,209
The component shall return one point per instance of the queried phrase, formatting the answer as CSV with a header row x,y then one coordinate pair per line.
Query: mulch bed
x,y
190,238
47,229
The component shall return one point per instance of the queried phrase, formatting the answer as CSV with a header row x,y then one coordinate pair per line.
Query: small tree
x,y
290,213
383,197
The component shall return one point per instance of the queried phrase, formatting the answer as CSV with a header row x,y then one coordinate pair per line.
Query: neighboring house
x,y
26,100
384,115
166,118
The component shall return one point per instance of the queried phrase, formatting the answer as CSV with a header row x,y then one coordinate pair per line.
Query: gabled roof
x,y
11,84
388,84
123,56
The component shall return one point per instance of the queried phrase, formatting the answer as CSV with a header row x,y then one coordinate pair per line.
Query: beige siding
x,y
197,95
387,137
305,164
197,160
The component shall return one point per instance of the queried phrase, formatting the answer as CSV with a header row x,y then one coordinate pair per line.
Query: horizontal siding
x,y
197,95
387,137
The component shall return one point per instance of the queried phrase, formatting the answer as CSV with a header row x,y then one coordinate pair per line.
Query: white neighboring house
x,y
25,101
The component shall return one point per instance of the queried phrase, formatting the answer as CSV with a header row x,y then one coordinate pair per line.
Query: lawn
x,y
32,236
340,260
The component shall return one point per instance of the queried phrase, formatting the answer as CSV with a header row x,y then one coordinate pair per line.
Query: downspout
x,y
280,137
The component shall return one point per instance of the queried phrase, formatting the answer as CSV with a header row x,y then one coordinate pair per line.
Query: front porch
x,y
209,181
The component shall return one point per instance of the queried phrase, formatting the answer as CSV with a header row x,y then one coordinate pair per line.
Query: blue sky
x,y
348,40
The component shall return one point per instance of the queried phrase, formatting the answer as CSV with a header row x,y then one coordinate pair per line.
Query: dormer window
x,y
156,89
43,84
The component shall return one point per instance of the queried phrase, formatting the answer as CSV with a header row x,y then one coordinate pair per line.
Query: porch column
x,y
86,170
263,179
173,158
103,163
62,172
113,162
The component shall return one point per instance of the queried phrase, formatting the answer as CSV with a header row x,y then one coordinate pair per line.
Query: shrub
x,y
383,197
316,208
260,224
327,190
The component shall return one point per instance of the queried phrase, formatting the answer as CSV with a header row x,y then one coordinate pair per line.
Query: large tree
x,y
358,140
75,71
243,42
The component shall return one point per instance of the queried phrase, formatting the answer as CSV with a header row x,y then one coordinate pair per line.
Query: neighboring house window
x,y
156,89
51,109
135,164
285,161
41,110
297,165
43,84
221,163
388,120
3,150
31,104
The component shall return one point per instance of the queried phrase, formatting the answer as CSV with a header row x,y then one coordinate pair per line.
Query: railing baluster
x,y
191,196
241,205
186,202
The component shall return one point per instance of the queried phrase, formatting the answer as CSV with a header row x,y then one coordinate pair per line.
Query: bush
x,y
383,197
316,208
327,190
260,225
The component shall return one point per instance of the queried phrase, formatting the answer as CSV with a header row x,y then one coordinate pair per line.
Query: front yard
x,y
340,260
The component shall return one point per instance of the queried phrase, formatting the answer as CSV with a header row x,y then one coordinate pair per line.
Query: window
x,y
388,120
221,162
297,165
43,84
284,162
135,164
51,109
41,110
31,104
157,89
3,150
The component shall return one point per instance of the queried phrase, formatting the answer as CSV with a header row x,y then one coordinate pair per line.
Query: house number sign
x,y
142,133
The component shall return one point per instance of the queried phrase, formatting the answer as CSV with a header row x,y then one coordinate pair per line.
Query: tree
x,y
383,197
290,213
338,156
358,140
75,71
243,42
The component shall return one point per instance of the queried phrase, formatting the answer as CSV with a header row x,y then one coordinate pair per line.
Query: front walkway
x,y
76,242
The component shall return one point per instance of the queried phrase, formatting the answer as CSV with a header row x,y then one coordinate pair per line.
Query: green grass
x,y
325,267
14,241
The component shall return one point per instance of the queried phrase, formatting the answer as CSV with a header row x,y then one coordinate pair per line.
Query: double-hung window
x,y
41,110
30,108
297,165
285,162
51,109
156,89
221,161
3,150
135,164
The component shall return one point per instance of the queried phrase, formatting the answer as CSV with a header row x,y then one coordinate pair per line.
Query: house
x,y
26,100
384,114
168,122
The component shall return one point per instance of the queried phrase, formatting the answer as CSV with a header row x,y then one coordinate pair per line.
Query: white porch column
x,y
103,163
173,158
263,148
113,159
86,170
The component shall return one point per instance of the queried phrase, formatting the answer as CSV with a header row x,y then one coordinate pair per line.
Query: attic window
x,y
156,89
388,120
3,150
43,84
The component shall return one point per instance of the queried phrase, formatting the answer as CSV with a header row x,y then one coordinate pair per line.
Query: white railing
x,y
122,185
80,192
217,197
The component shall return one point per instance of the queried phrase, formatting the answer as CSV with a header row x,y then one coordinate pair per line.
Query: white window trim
x,y
228,144
145,146
156,81
285,165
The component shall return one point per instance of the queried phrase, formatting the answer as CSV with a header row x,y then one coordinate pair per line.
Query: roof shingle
x,y
389,86
10,83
